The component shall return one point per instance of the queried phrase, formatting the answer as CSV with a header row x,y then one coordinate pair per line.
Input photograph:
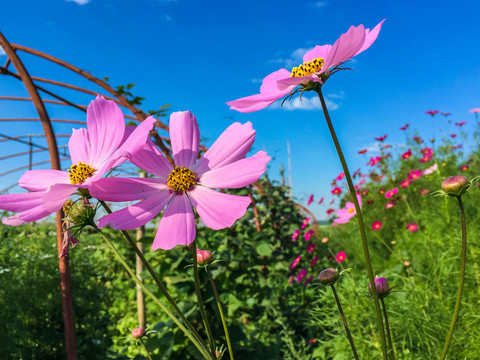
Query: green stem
x,y
199,297
387,326
460,280
222,316
162,287
145,348
361,225
154,298
344,320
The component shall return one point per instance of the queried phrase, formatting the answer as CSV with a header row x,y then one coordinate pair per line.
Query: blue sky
x,y
197,55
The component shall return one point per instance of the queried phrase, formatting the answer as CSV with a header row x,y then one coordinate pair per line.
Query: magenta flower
x,y
407,154
189,183
301,275
389,194
381,138
377,225
405,183
460,123
405,127
463,167
104,144
362,151
314,261
310,278
311,247
341,256
320,201
310,199
336,191
308,235
314,70
340,176
296,261
431,112
414,175
412,227
295,235
346,213
374,160
305,223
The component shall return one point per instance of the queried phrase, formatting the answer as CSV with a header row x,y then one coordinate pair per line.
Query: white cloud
x,y
319,4
2,52
305,103
296,58
80,2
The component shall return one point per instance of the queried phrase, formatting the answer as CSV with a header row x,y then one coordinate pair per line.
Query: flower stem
x,y
361,225
220,310
154,298
145,348
387,326
344,320
460,280
162,287
199,297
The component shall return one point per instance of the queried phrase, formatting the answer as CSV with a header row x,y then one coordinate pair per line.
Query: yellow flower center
x,y
80,172
181,179
351,210
308,68
68,204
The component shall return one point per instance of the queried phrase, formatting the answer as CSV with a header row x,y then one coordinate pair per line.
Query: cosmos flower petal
x,y
151,160
35,180
54,198
185,138
317,52
136,215
32,214
21,202
370,37
218,210
79,146
106,126
346,46
238,174
177,226
126,189
232,145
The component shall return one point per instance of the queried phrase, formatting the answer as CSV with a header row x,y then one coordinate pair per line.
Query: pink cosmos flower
x,y
314,261
362,151
407,154
332,201
460,123
308,235
189,183
315,68
430,170
417,139
320,201
312,341
390,204
377,225
381,138
463,167
310,199
296,261
414,175
301,275
324,240
341,256
453,136
475,110
431,112
330,211
295,235
340,176
346,213
389,194
412,227
405,127
104,144
305,223
311,247
405,183
336,191
374,161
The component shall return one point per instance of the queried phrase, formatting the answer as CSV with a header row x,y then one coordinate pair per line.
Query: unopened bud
x,y
204,257
328,276
138,333
381,286
455,185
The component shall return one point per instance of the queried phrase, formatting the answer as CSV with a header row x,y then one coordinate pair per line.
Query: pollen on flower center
x,y
80,172
308,68
351,210
181,179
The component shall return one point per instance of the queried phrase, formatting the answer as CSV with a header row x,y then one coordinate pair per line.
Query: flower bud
x,y
138,333
204,257
381,286
328,276
455,185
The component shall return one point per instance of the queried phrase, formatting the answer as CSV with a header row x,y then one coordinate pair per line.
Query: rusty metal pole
x,y
67,303
142,314
30,150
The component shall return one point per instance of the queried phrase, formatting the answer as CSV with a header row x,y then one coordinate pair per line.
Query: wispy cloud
x,y
295,58
306,103
80,2
318,4
2,52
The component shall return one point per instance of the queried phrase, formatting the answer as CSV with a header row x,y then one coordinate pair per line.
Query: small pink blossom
x,y
314,261
417,139
308,235
445,114
414,175
424,192
405,183
412,227
204,257
430,170
405,127
336,191
432,112
475,111
374,161
301,275
453,136
389,194
407,154
312,341
381,138
296,261
310,199
295,235
330,211
311,247
340,176
305,223
463,167
460,123
377,225
346,213
341,256
320,201
390,204
362,151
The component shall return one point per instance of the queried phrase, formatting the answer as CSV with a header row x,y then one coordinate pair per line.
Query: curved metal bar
x,y
66,121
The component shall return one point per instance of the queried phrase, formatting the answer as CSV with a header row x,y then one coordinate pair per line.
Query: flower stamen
x,y
181,179
308,68
80,172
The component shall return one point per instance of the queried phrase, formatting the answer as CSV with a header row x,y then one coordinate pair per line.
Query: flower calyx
x,y
455,186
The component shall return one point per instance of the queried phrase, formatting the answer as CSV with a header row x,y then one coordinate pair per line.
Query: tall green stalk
x,y
361,225
387,326
461,280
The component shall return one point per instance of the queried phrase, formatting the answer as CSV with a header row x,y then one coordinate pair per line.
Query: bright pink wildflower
x,y
430,170
332,201
301,275
305,223
311,247
324,240
296,261
314,261
190,183
330,211
356,173
412,227
414,175
340,176
374,160
432,112
405,183
405,127
362,151
377,225
390,204
312,341
320,201
346,213
453,136
341,256
315,69
308,235
463,167
389,194
295,235
336,191
460,123
381,138
475,110
104,144
407,154
310,199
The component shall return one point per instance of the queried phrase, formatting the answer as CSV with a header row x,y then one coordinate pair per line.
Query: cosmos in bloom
x,y
412,227
336,191
305,223
346,213
341,256
377,225
405,127
414,175
308,235
430,170
310,199
295,235
318,64
190,183
405,183
296,261
311,247
389,194
301,275
104,144
432,112
407,154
